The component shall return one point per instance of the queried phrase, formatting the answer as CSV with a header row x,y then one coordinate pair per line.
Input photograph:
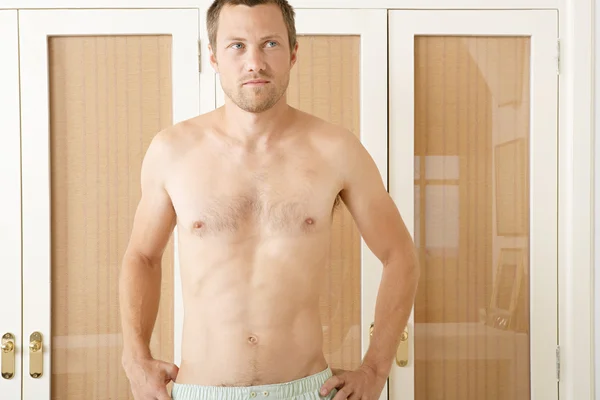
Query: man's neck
x,y
253,127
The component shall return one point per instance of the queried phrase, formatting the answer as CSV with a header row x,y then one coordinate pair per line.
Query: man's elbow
x,y
403,258
136,258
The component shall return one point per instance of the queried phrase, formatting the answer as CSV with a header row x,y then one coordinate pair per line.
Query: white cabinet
x,y
471,98
474,170
95,86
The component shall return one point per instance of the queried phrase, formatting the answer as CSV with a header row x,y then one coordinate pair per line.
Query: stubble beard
x,y
257,99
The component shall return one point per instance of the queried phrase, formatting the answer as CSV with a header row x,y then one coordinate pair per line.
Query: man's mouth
x,y
256,82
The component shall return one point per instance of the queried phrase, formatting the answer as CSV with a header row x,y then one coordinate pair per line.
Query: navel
x,y
252,339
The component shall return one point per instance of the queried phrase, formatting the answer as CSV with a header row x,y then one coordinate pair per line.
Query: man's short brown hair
x,y
212,17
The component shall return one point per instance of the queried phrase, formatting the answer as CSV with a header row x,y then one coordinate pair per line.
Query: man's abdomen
x,y
244,354
250,329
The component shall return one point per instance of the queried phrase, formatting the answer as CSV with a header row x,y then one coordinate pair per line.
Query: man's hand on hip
x,y
149,378
361,384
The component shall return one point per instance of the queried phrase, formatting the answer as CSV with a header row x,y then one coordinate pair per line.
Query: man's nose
x,y
255,60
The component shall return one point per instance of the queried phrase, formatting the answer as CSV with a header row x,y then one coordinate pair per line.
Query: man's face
x,y
252,56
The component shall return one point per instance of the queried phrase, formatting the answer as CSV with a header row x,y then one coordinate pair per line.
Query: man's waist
x,y
227,367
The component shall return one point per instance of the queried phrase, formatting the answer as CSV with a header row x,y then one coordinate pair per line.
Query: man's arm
x,y
140,276
381,226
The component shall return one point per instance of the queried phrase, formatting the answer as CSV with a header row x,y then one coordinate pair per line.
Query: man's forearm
x,y
393,307
139,297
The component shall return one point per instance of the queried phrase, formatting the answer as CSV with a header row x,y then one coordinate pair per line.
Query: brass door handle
x,y
36,355
402,351
8,355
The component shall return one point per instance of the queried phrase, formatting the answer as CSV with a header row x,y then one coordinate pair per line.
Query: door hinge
x,y
557,363
199,56
558,57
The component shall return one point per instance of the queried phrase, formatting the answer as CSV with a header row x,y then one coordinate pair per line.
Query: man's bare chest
x,y
283,199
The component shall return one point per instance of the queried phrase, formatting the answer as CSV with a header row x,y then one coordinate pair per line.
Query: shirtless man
x,y
251,188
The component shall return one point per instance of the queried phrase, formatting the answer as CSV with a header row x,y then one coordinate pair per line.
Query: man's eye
x,y
236,44
271,44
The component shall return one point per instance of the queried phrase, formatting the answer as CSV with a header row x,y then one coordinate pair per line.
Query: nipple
x,y
309,221
197,225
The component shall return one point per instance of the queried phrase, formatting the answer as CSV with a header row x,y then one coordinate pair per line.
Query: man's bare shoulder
x,y
174,141
323,132
333,140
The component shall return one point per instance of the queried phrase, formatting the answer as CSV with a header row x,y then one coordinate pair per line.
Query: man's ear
x,y
294,54
213,59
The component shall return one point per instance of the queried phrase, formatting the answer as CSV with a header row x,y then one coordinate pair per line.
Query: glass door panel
x,y
471,217
474,121
109,95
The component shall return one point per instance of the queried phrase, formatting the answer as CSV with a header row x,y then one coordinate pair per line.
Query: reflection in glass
x,y
472,218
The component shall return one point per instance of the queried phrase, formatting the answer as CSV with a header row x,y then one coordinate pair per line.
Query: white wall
x,y
596,198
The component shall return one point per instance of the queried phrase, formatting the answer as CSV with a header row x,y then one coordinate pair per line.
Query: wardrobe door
x,y
341,77
473,167
11,345
96,86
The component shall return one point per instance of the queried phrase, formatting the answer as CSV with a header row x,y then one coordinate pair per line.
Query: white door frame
x,y
576,199
35,27
10,202
404,26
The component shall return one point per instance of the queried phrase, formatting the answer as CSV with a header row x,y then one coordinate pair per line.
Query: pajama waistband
x,y
301,389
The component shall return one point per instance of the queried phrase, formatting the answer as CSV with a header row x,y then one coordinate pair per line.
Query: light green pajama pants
x,y
301,389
